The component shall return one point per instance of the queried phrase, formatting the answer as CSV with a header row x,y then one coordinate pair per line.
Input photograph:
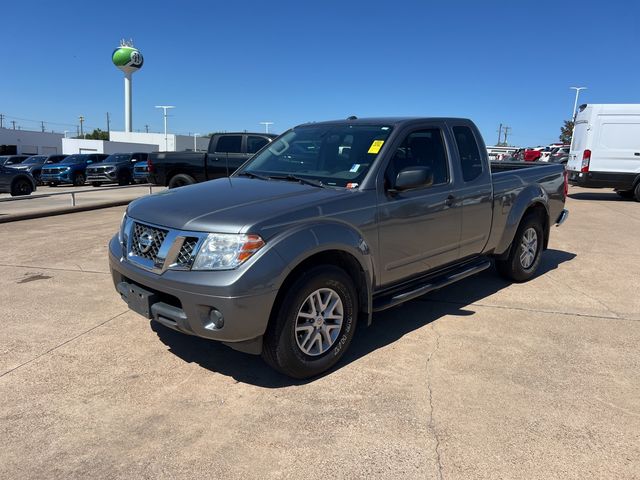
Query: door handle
x,y
449,201
637,154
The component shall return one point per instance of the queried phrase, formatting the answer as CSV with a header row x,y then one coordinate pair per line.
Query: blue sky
x,y
230,65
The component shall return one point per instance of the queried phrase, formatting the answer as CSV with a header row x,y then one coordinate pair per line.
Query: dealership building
x,y
25,142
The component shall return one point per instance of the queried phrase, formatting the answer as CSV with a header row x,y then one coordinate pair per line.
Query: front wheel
x,y
526,251
20,187
78,179
636,192
315,323
95,184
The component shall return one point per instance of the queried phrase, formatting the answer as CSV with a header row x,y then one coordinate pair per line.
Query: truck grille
x,y
146,241
143,169
53,171
186,254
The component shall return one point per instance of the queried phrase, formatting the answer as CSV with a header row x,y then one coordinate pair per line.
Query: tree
x,y
566,132
97,134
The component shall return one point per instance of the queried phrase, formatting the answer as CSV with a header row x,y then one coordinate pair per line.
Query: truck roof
x,y
390,121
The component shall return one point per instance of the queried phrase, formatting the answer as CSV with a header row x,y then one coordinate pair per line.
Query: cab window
x,y
422,148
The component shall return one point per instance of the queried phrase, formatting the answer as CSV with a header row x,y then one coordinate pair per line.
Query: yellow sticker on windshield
x,y
376,146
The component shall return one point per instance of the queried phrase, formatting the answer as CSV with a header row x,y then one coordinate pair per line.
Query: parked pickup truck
x,y
226,152
330,223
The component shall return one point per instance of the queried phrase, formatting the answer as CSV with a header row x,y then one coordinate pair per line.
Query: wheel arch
x,y
534,204
335,245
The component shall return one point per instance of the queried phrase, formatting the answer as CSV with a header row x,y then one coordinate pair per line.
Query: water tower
x,y
128,59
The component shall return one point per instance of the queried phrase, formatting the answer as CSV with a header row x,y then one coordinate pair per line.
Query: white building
x,y
174,143
25,142
79,145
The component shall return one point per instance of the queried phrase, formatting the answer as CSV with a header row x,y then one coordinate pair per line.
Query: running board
x,y
428,285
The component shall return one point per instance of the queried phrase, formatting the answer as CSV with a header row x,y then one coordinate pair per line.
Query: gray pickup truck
x,y
326,225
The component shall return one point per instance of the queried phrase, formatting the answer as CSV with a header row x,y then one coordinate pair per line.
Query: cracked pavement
x,y
482,379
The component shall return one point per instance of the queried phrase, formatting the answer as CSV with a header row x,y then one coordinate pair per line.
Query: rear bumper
x,y
562,217
618,181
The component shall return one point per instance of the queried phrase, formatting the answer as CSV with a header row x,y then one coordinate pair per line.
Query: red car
x,y
532,154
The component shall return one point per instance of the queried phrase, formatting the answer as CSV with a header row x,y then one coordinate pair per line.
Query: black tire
x,y
180,180
636,192
78,179
20,187
95,184
125,180
513,267
281,344
53,184
626,194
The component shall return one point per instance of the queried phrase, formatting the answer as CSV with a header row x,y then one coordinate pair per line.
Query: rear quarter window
x,y
470,159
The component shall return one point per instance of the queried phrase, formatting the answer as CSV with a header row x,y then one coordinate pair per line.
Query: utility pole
x,y
575,104
164,109
108,124
506,134
13,122
499,134
42,126
1,120
146,127
77,131
266,126
81,119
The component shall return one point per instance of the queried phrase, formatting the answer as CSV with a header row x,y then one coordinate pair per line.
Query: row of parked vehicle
x,y
555,153
21,174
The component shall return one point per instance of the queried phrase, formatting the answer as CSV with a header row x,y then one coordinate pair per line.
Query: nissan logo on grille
x,y
145,241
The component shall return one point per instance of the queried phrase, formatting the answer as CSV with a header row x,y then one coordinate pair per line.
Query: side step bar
x,y
434,283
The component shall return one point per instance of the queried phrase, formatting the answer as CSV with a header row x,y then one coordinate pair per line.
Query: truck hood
x,y
228,205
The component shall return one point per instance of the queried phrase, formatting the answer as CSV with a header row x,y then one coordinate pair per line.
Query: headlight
x,y
226,251
110,169
121,232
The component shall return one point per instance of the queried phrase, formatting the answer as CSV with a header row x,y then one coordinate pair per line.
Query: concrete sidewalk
x,y
48,201
481,380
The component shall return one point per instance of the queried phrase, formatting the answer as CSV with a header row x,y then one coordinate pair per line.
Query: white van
x,y
605,149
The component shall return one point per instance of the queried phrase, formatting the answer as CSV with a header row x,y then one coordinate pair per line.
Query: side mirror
x,y
413,177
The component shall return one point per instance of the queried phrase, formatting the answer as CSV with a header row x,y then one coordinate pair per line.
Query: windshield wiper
x,y
294,178
253,175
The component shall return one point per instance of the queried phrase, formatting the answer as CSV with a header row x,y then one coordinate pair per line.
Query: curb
x,y
63,211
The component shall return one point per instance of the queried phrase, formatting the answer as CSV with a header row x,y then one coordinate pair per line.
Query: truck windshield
x,y
117,157
336,155
76,158
37,160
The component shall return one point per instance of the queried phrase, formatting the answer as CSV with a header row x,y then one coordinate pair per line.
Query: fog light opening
x,y
216,320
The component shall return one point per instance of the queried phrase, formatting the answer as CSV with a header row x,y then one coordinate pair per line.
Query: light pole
x,y
266,126
575,104
195,145
164,114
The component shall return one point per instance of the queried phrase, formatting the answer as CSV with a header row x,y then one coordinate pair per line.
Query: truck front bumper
x,y
64,177
177,300
102,177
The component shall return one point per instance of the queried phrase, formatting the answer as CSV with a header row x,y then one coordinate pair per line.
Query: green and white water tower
x,y
128,59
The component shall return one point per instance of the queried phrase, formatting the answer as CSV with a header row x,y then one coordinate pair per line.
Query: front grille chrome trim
x,y
176,250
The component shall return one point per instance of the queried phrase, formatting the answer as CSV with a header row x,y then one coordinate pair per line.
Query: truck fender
x,y
301,244
530,196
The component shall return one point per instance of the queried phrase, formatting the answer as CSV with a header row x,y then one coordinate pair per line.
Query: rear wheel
x,y
181,180
526,251
95,184
314,325
124,180
21,186
636,192
78,179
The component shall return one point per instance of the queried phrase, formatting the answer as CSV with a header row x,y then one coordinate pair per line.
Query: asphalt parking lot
x,y
483,379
